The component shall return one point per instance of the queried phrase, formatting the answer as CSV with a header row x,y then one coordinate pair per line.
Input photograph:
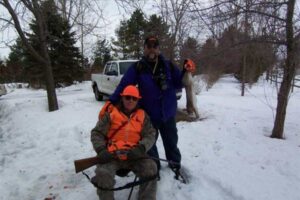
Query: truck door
x,y
114,77
105,79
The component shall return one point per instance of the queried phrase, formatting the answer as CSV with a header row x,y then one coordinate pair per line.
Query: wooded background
x,y
246,38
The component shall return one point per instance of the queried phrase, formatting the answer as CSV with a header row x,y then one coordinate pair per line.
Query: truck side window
x,y
107,68
114,68
124,66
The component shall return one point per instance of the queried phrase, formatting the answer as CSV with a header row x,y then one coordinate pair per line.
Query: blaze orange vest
x,y
124,133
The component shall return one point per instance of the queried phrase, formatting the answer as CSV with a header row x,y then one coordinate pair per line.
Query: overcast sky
x,y
112,13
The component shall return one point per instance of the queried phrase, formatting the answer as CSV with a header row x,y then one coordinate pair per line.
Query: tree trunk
x,y
243,74
293,84
245,49
51,93
268,75
50,87
288,74
81,36
43,56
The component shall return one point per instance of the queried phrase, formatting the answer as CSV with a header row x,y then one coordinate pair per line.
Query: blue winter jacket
x,y
159,105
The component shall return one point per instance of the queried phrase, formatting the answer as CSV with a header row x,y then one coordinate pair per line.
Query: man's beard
x,y
151,57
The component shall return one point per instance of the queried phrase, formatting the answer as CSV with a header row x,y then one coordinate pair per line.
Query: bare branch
x,y
7,21
256,12
20,31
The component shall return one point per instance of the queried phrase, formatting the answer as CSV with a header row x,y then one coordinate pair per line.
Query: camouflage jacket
x,y
99,133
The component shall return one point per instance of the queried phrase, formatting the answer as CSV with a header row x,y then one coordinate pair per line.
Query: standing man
x,y
157,80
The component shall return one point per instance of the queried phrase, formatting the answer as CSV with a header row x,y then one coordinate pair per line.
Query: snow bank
x,y
229,154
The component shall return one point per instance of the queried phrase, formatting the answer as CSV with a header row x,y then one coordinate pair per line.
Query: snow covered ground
x,y
229,154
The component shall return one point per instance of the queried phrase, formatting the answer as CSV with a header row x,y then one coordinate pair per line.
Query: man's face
x,y
151,51
129,102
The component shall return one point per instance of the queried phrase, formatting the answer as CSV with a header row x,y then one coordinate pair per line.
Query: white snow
x,y
229,154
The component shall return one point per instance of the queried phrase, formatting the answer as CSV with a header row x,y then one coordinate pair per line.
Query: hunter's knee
x,y
104,178
150,169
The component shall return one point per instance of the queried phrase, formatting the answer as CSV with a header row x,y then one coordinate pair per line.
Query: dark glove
x,y
105,156
136,152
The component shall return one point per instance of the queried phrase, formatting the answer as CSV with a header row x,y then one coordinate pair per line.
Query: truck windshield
x,y
124,66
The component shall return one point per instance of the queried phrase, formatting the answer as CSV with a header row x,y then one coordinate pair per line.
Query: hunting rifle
x,y
85,163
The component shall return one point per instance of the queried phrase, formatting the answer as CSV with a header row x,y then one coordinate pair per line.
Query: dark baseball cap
x,y
151,40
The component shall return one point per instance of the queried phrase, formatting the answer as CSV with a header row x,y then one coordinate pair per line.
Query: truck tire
x,y
98,95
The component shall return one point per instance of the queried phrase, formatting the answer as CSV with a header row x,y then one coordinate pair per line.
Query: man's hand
x,y
136,152
189,65
105,156
121,154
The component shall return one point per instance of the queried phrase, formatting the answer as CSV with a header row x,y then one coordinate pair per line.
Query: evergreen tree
x,y
2,71
229,50
229,53
157,27
130,36
259,57
65,57
136,29
15,62
237,52
209,62
121,44
101,54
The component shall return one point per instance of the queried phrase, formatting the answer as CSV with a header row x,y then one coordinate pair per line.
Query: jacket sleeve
x,y
148,134
177,76
98,134
129,78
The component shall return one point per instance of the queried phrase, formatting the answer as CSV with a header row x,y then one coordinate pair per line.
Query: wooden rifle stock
x,y
85,163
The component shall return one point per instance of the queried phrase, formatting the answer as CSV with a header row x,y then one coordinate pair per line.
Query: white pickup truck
x,y
104,84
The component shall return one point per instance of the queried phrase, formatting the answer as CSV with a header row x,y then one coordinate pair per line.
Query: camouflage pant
x,y
144,168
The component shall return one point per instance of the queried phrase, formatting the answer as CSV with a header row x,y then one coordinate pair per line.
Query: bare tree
x,y
288,71
130,6
34,8
175,14
84,15
274,22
